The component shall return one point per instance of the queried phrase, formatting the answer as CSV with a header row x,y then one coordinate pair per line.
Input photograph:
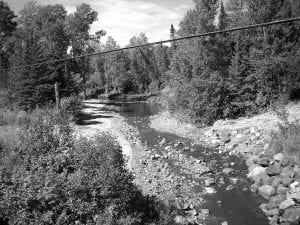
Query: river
x,y
238,206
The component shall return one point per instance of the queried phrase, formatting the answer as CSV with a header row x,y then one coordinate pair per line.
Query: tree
x,y
7,27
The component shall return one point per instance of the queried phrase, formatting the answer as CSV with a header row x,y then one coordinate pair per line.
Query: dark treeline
x,y
240,73
221,76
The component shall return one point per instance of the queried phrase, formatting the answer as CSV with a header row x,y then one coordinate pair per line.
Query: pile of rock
x,y
277,180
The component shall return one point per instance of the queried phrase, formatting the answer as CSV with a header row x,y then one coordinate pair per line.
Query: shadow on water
x,y
238,206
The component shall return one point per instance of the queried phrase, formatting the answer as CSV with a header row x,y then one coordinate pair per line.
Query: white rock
x,y
287,204
256,171
210,190
295,186
278,157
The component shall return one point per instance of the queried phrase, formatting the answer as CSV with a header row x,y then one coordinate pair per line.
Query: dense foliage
x,y
240,73
49,177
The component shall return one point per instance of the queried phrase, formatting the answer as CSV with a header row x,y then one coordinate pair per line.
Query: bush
x,y
51,178
72,106
287,138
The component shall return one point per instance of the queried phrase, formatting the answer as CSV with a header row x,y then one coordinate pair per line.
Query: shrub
x,y
72,106
287,138
51,178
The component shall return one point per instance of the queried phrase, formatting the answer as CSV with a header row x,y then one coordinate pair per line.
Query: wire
x,y
162,42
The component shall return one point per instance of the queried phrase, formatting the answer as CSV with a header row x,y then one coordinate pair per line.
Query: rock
x,y
230,187
224,223
239,136
232,164
216,143
227,171
278,157
266,146
273,170
210,181
254,187
256,173
263,162
222,180
155,157
287,204
266,191
186,149
295,196
292,215
287,181
162,142
282,190
179,219
168,148
193,212
272,212
210,190
277,199
205,211
295,186
234,180
225,164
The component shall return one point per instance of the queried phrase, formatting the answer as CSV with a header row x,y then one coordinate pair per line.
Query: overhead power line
x,y
161,42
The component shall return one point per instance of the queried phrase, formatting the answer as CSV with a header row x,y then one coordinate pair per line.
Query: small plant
x,y
287,138
72,106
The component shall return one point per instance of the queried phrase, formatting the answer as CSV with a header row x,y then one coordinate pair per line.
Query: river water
x,y
238,206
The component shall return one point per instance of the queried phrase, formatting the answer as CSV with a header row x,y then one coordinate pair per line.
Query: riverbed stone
x,y
292,215
282,190
227,171
210,190
295,196
205,211
266,191
278,157
288,203
273,212
210,181
230,187
287,181
273,170
263,162
277,199
256,173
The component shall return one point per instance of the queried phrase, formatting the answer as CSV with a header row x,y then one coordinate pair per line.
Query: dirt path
x,y
97,119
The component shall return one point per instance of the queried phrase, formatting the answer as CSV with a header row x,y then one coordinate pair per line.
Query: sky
x,y
123,19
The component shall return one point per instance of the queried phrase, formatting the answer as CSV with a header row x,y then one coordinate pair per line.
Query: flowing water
x,y
238,206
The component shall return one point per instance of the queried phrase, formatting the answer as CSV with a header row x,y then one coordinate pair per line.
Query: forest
x,y
222,76
47,176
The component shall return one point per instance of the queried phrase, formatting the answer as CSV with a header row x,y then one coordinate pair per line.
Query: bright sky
x,y
123,19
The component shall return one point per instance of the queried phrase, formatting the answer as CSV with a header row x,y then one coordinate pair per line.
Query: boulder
x,y
277,199
286,204
272,212
292,215
282,190
263,162
227,171
287,181
210,190
278,157
256,173
295,196
295,186
273,170
162,142
266,191
204,211
230,187
179,219
210,181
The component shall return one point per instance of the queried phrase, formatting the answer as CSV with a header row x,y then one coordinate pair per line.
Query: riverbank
x,y
276,177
